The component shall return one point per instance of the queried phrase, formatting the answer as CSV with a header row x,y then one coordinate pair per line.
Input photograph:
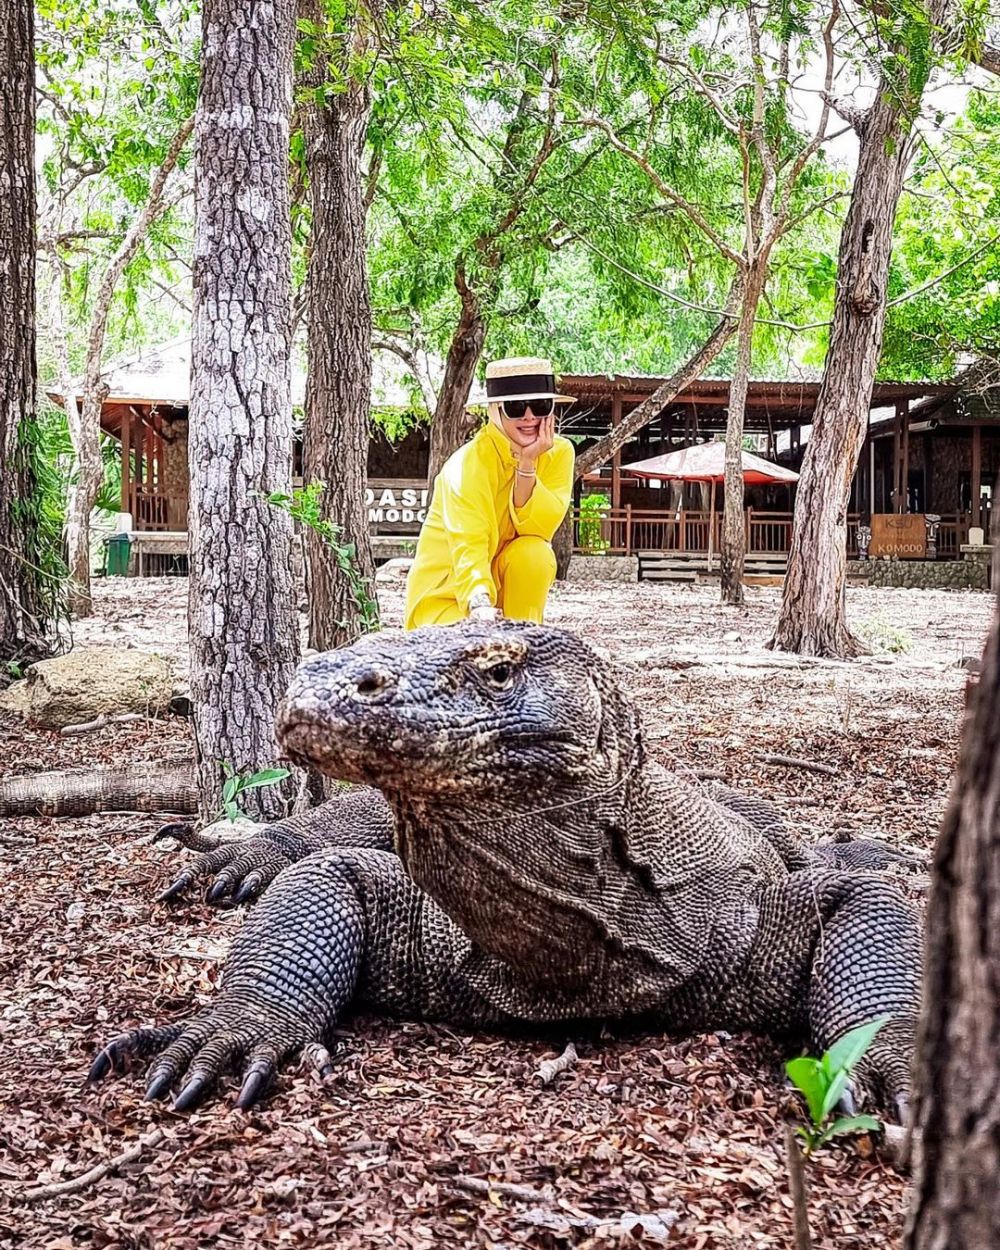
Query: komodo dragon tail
x,y
160,787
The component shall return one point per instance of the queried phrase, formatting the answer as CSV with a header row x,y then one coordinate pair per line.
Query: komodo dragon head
x,y
470,710
515,768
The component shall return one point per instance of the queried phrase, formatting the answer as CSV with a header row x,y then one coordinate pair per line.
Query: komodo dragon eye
x,y
500,674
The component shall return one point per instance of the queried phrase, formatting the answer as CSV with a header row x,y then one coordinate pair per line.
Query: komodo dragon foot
x,y
244,869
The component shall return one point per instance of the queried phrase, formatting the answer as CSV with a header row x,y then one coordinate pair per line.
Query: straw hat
x,y
522,377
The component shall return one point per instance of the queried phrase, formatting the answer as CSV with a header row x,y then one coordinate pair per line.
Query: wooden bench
x,y
145,543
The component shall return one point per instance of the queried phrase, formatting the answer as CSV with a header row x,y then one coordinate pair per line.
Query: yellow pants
x,y
523,570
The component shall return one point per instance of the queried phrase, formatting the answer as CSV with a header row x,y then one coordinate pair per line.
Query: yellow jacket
x,y
472,517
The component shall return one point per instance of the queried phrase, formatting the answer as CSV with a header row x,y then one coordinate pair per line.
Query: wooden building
x,y
930,449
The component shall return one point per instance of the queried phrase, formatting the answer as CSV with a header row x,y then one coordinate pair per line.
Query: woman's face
x,y
520,433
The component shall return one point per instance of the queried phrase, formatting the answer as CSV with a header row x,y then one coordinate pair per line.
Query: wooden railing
x,y
149,510
629,531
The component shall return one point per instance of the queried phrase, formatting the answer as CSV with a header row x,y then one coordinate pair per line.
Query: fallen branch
x,y
97,1173
549,1069
88,726
521,1193
794,761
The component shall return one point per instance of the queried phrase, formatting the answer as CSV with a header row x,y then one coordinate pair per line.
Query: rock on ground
x,y
88,682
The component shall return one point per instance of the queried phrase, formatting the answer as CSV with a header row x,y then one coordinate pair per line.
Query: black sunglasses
x,y
515,409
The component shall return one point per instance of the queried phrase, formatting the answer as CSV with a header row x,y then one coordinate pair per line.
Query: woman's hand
x,y
543,442
485,612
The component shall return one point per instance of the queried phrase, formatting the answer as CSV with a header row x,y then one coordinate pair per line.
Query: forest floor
x,y
686,1134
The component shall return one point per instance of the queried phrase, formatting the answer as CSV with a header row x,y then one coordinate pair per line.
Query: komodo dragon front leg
x,y
244,869
342,929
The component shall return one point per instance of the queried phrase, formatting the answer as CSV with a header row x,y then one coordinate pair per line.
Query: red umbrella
x,y
706,462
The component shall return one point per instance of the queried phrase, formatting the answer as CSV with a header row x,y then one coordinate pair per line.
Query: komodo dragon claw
x,y
193,1057
244,870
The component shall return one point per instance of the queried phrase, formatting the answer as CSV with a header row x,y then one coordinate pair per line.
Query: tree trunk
x,y
812,619
450,424
244,639
955,1203
342,602
562,544
85,424
22,629
734,544
696,364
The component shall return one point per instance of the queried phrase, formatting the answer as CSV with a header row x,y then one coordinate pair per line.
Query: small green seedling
x,y
823,1081
304,505
238,783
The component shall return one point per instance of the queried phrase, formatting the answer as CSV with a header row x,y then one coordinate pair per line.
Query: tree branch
x,y
693,368
664,189
819,136
988,58
844,109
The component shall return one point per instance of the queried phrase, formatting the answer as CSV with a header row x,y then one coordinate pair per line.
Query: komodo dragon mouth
x,y
471,707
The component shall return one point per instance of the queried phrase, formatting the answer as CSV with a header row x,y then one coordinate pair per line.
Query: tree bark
x,y
22,627
244,640
955,1201
734,545
85,423
696,364
449,426
338,387
812,619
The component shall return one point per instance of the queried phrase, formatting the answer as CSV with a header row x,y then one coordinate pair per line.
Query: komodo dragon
x,y
546,872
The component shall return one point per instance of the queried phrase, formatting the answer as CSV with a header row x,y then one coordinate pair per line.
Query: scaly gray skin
x,y
546,871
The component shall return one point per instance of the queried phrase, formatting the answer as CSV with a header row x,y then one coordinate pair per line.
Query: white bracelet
x,y
522,473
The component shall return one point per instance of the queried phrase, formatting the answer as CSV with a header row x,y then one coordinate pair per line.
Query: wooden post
x,y
126,459
137,479
148,440
904,468
897,452
977,473
628,529
616,459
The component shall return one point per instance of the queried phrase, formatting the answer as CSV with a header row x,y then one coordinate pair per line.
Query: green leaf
x,y
852,1124
848,1050
232,811
835,1086
266,777
807,1076
231,789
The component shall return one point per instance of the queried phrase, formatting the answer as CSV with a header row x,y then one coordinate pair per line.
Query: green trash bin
x,y
117,552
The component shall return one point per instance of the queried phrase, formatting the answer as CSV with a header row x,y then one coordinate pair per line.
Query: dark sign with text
x,y
396,506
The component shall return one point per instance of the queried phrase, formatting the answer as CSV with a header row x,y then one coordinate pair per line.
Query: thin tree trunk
x,y
651,407
22,629
449,426
812,620
955,1203
734,545
244,638
85,424
342,604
